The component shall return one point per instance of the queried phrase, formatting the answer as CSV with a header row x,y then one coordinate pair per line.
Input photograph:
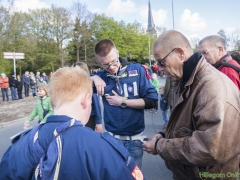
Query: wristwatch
x,y
123,104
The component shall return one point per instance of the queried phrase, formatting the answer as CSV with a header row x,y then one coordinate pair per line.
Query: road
x,y
153,167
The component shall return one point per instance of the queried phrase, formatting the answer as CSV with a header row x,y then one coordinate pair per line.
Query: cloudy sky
x,y
192,17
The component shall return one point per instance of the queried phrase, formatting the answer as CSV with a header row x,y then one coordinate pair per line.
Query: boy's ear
x,y
85,100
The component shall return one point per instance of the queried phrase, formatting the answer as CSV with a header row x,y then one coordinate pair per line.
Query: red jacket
x,y
4,83
231,73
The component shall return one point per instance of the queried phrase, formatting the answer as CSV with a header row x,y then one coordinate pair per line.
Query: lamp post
x,y
173,14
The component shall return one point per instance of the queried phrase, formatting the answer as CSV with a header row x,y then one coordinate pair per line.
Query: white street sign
x,y
12,55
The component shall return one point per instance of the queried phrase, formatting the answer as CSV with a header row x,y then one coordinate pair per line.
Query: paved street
x,y
153,166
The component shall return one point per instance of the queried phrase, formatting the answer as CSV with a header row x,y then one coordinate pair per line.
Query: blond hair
x,y
44,87
162,88
68,83
154,76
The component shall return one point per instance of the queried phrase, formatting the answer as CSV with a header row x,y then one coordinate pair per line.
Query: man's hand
x,y
99,128
149,146
157,136
99,84
114,100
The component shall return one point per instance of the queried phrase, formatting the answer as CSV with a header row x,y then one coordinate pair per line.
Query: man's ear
x,y
85,100
221,51
181,53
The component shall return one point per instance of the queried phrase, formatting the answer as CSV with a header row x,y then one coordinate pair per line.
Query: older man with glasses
x,y
213,48
126,92
202,136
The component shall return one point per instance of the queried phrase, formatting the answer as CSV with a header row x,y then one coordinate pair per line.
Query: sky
x,y
193,18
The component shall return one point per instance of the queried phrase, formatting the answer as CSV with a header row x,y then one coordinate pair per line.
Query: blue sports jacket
x,y
86,155
133,84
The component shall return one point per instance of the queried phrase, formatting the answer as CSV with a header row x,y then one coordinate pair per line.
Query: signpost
x,y
14,56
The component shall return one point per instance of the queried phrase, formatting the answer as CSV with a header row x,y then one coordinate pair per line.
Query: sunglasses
x,y
160,62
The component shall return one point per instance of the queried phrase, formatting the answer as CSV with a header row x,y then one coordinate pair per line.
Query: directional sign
x,y
12,55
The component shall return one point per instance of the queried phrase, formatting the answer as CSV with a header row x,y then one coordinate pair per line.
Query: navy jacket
x,y
26,80
86,155
96,108
164,105
133,85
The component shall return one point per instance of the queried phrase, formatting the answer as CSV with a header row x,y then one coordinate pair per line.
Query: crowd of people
x,y
201,136
16,83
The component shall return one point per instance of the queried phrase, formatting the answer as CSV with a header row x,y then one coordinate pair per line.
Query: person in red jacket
x,y
213,48
4,86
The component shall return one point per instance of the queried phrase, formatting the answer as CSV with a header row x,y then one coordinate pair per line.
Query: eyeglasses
x,y
160,62
204,53
113,63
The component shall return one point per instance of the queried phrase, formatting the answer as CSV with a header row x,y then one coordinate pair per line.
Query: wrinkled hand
x,y
114,100
99,128
99,84
149,146
157,136
26,125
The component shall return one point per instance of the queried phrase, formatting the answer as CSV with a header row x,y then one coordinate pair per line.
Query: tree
x,y
82,35
194,43
223,35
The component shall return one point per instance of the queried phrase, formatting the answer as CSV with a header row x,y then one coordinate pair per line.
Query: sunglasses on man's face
x,y
160,62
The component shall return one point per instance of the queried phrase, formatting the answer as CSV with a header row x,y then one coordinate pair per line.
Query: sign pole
x,y
14,64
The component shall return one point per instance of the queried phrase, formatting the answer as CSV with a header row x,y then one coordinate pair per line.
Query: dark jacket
x,y
19,85
164,105
12,82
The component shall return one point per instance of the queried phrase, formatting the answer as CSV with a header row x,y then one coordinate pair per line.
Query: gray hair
x,y
214,40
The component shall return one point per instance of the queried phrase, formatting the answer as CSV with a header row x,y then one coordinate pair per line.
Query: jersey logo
x,y
133,73
137,174
123,75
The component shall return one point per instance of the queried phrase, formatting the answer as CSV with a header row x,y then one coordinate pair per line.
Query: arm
x,y
99,84
34,113
214,140
6,80
98,113
49,109
140,103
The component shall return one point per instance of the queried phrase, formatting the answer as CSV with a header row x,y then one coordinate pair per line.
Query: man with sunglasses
x,y
126,92
213,48
202,136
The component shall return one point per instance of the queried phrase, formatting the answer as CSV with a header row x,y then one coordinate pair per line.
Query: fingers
x,y
100,90
114,93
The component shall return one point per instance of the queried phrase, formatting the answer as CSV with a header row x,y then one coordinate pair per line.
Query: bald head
x,y
172,39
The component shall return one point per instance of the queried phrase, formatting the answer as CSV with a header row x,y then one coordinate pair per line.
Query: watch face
x,y
123,105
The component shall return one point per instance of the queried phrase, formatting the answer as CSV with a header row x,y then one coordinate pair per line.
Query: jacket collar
x,y
188,68
226,58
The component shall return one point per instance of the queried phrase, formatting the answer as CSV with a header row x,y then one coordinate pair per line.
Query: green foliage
x,y
50,38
